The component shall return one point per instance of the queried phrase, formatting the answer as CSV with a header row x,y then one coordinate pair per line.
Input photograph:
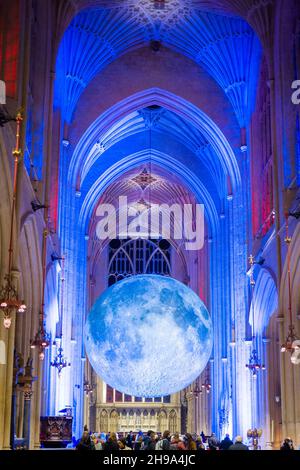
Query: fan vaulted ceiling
x,y
225,46
158,120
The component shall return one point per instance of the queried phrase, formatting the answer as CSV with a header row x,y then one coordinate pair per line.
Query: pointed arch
x,y
150,97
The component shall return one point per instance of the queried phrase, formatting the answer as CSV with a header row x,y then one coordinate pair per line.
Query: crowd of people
x,y
152,441
111,442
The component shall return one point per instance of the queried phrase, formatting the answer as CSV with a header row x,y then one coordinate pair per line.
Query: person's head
x,y
175,437
122,443
238,440
166,434
113,436
199,439
227,436
288,442
85,437
189,437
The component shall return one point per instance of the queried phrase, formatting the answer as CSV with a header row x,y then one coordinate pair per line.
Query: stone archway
x,y
162,421
264,308
103,421
290,373
114,421
173,421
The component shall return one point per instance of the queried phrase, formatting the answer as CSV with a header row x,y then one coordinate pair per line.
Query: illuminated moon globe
x,y
148,336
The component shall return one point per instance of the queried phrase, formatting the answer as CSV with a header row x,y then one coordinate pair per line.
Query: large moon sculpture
x,y
148,336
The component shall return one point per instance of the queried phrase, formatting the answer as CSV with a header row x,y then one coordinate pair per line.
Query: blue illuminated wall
x,y
186,141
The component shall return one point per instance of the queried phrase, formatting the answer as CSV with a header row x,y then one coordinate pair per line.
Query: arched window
x,y
262,161
162,421
9,45
296,60
139,256
114,421
173,421
103,421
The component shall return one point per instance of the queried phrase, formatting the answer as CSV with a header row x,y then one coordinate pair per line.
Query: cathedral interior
x,y
165,102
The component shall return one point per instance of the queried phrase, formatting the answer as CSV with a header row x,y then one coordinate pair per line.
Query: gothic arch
x,y
173,422
167,162
290,377
150,97
264,308
162,421
6,142
265,300
114,421
103,422
295,279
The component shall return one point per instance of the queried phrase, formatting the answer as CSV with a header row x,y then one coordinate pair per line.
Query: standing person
x,y
164,442
190,443
199,443
213,443
174,441
138,443
238,445
99,445
287,444
226,443
112,444
158,445
146,441
122,444
85,443
149,441
129,440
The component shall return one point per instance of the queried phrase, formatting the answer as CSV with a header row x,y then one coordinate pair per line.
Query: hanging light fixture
x,y
60,362
254,364
291,343
197,390
9,302
87,387
206,386
42,339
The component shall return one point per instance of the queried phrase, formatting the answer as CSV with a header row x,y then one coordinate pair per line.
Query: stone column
x,y
26,420
36,419
183,412
17,370
25,382
190,412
